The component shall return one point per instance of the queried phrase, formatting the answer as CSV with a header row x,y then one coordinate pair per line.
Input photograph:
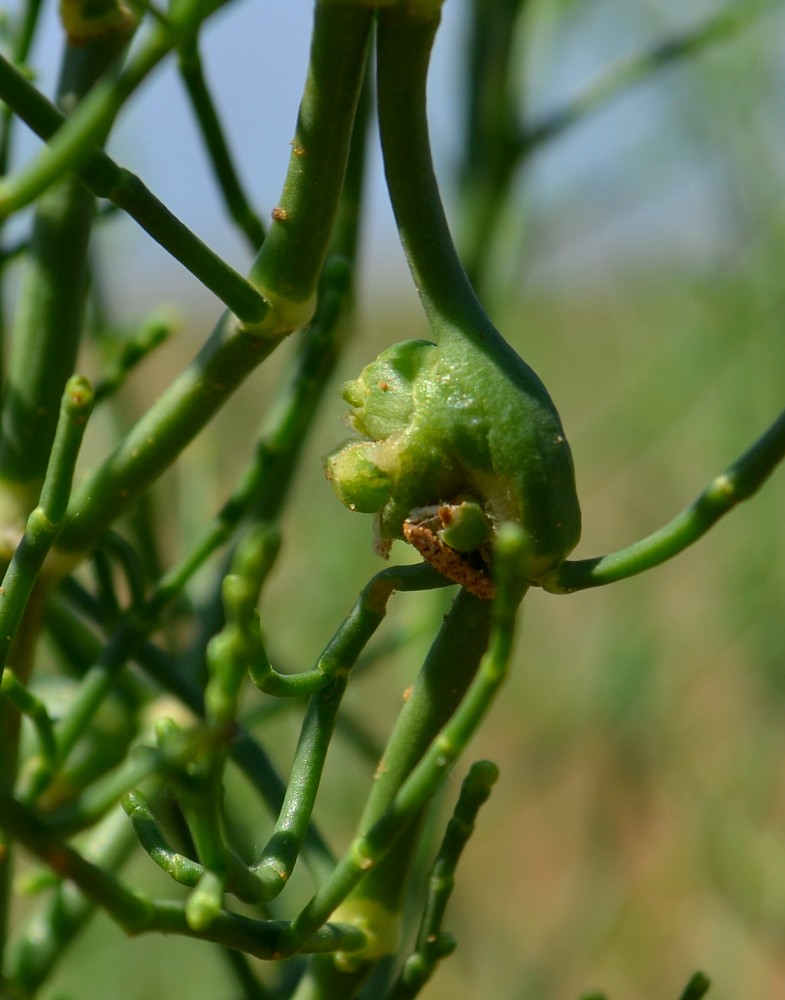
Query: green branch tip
x,y
433,944
697,987
740,481
153,332
75,409
84,20
205,902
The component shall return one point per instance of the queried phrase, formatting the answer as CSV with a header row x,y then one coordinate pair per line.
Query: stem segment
x,y
286,270
739,482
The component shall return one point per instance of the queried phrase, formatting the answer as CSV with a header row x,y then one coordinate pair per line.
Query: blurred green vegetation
x,y
638,829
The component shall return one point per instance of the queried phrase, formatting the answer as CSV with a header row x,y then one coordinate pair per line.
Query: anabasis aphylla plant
x,y
460,452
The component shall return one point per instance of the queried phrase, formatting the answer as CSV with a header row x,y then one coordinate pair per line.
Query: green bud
x,y
464,427
464,526
358,482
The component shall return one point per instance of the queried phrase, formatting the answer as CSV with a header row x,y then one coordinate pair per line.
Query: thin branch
x,y
739,482
370,848
217,146
105,179
626,73
432,943
45,522
137,914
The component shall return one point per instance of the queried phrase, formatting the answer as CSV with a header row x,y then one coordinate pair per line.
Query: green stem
x,y
287,271
432,943
382,825
179,867
157,439
73,142
244,750
262,487
404,42
44,523
138,915
217,146
283,848
288,267
264,484
739,482
103,178
50,315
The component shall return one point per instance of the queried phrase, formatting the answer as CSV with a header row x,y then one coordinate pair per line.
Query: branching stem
x,y
369,849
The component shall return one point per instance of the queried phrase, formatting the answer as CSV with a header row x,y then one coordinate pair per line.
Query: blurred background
x,y
638,829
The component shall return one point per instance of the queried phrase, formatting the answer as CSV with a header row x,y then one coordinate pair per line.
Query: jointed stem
x,y
370,848
216,143
94,117
739,482
103,178
432,943
287,271
138,915
45,521
279,855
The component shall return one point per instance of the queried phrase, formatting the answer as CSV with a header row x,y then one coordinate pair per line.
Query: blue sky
x,y
626,172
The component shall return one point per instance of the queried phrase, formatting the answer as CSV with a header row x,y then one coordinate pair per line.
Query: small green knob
x,y
467,429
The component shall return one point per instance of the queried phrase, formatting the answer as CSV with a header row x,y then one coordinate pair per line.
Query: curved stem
x,y
280,854
738,482
404,42
244,750
137,914
44,523
96,114
287,271
378,895
102,177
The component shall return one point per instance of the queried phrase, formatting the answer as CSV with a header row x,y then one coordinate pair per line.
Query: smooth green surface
x,y
466,416
635,833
